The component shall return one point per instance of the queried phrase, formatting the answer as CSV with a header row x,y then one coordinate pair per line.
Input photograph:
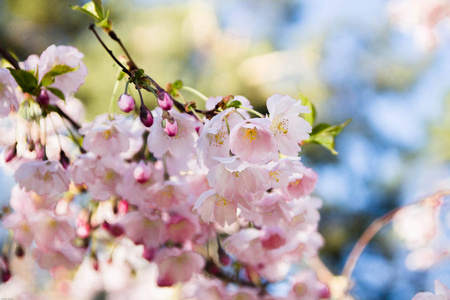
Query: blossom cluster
x,y
221,203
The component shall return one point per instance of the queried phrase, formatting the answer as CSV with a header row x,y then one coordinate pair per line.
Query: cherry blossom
x,y
45,178
8,97
288,128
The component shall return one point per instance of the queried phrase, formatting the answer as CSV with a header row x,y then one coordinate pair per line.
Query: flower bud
x,y
115,230
64,160
43,98
40,150
164,100
126,103
10,152
142,172
170,127
146,116
122,207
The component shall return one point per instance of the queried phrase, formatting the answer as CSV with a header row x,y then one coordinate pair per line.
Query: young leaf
x,y
234,103
99,8
310,117
56,92
89,9
178,84
49,77
324,134
27,82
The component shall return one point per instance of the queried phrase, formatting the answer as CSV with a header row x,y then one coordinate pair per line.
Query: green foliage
x,y
27,82
49,77
56,92
234,103
325,134
310,117
95,10
178,84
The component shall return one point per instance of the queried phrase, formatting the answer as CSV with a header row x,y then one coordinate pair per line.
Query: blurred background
x,y
385,64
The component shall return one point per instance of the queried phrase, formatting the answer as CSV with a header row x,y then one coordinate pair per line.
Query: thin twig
x,y
114,36
6,55
125,70
375,227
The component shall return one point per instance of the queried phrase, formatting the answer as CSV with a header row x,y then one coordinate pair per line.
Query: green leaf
x,y
310,117
99,8
325,134
27,82
89,9
234,103
60,69
57,70
56,92
178,84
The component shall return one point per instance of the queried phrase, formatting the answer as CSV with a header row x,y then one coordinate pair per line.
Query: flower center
x,y
251,134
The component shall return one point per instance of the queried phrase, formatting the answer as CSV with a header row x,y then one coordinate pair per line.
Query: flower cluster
x,y
166,183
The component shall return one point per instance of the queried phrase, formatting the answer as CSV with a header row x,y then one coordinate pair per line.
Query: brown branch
x,y
6,55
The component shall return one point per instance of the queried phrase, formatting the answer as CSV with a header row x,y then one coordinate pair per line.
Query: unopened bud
x,y
43,98
10,152
126,103
142,172
122,207
114,229
164,100
64,160
146,116
149,253
19,252
170,127
40,150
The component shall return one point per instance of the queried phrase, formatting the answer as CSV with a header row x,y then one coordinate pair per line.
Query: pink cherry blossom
x,y
214,139
45,178
302,182
252,141
213,207
174,266
181,145
8,97
104,135
288,128
63,55
142,172
441,293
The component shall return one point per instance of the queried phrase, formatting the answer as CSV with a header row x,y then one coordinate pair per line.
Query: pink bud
x,y
122,207
146,116
40,150
164,100
273,238
149,253
324,291
43,98
126,103
114,229
170,128
10,152
142,172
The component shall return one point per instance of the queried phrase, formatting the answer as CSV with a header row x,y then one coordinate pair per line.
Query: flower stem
x,y
113,98
195,92
253,111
